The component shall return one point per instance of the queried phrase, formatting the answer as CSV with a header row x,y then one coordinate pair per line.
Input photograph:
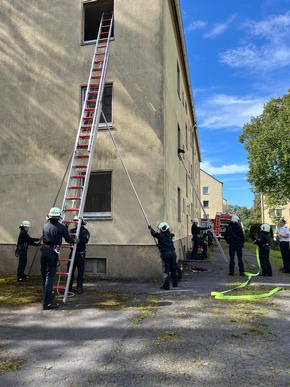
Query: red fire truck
x,y
220,223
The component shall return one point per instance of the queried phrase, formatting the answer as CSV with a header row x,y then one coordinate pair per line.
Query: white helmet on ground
x,y
163,226
25,223
265,227
194,220
54,213
235,219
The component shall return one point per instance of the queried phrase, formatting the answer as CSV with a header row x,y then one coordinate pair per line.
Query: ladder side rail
x,y
81,120
72,260
96,118
93,134
97,113
95,126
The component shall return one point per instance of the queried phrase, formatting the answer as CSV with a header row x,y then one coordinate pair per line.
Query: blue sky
x,y
239,58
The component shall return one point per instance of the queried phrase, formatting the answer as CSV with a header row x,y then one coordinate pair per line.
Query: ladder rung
x,y
90,109
76,187
61,273
83,146
77,176
59,287
82,156
91,101
99,61
94,85
96,76
66,246
73,198
98,69
84,136
80,166
64,259
72,209
86,127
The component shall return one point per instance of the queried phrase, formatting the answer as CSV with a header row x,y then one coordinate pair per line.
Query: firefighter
x,y
79,261
53,232
234,236
24,240
168,254
263,241
197,240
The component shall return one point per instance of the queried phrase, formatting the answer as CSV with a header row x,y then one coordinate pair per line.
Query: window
x,y
205,190
92,14
99,196
178,80
206,204
106,104
186,136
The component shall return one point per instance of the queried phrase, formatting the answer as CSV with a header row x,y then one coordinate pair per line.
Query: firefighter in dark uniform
x,y
234,236
168,254
24,240
79,261
197,240
263,241
53,232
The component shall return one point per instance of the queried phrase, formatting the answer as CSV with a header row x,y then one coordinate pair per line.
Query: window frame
x,y
102,125
100,215
94,4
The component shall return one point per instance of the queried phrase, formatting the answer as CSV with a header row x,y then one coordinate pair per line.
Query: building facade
x,y
211,195
147,102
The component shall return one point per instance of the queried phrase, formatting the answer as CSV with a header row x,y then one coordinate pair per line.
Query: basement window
x,y
92,14
98,204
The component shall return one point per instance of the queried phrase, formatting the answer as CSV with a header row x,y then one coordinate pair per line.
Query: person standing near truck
x,y
234,236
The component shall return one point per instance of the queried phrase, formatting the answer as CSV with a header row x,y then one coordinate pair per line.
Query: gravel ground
x,y
183,337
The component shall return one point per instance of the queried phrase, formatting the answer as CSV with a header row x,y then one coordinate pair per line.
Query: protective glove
x,y
149,226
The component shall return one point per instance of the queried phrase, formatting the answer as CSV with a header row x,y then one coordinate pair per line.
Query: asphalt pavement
x,y
181,337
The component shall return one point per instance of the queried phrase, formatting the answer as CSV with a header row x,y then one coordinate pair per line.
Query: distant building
x,y
211,195
273,216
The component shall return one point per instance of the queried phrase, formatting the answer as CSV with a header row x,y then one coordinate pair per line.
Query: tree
x,y
242,212
257,209
267,141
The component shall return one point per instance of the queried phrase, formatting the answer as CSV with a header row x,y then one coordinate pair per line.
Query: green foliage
x,y
267,141
242,212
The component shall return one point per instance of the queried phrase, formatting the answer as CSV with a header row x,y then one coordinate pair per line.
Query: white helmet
x,y
77,218
194,220
25,223
265,227
54,213
163,226
235,219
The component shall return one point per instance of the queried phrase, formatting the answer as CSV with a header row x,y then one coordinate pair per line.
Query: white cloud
x,y
196,25
226,111
266,47
219,28
224,169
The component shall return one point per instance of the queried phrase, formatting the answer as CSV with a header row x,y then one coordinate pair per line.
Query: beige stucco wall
x,y
43,67
214,196
272,217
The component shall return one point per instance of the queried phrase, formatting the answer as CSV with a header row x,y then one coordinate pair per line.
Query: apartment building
x,y
211,195
47,49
